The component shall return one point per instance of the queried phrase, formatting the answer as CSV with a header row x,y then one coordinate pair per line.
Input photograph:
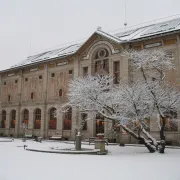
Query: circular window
x,y
102,53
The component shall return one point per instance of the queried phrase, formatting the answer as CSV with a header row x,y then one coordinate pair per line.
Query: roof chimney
x,y
99,28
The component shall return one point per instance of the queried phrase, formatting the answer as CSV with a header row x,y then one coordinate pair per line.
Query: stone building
x,y
34,89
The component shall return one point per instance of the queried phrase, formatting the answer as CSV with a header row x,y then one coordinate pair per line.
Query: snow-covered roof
x,y
61,52
149,30
120,37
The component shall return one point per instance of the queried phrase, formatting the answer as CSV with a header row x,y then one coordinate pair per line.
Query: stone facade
x,y
41,86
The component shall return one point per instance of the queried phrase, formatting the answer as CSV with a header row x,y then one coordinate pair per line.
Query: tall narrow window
x,y
9,98
106,65
37,123
32,95
116,72
97,66
60,93
84,121
101,61
26,116
13,119
85,71
68,119
3,122
52,121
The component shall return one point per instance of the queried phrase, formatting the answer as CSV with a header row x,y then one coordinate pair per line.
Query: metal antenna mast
x,y
125,23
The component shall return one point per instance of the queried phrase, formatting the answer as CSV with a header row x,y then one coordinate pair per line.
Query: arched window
x,y
99,124
60,92
3,122
101,61
13,119
52,121
26,116
37,122
68,119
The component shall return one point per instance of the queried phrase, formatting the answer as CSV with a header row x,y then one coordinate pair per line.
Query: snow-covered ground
x,y
128,163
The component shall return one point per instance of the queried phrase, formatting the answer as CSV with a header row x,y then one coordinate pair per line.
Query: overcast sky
x,y
32,26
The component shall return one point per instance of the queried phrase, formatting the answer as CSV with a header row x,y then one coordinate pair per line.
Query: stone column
x,y
76,67
45,117
42,130
19,119
17,124
19,115
31,121
59,122
106,125
7,123
74,122
92,124
124,64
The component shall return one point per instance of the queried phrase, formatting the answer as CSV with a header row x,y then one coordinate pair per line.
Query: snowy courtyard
x,y
120,163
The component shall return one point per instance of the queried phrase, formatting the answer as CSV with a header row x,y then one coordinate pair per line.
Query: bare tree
x,y
151,67
123,104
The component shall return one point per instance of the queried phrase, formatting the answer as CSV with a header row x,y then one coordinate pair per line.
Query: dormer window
x,y
163,25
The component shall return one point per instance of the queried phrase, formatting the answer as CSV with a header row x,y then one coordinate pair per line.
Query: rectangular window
x,y
85,71
16,81
26,79
70,71
116,67
52,75
40,77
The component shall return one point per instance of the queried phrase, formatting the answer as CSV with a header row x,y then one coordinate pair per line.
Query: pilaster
x,y
92,124
7,123
74,121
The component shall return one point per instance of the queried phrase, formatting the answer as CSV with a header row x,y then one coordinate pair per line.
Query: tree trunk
x,y
140,138
147,144
162,145
148,135
162,135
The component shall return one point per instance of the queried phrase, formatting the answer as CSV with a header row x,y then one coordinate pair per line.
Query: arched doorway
x,y
13,119
37,119
99,124
3,122
53,118
68,119
25,117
